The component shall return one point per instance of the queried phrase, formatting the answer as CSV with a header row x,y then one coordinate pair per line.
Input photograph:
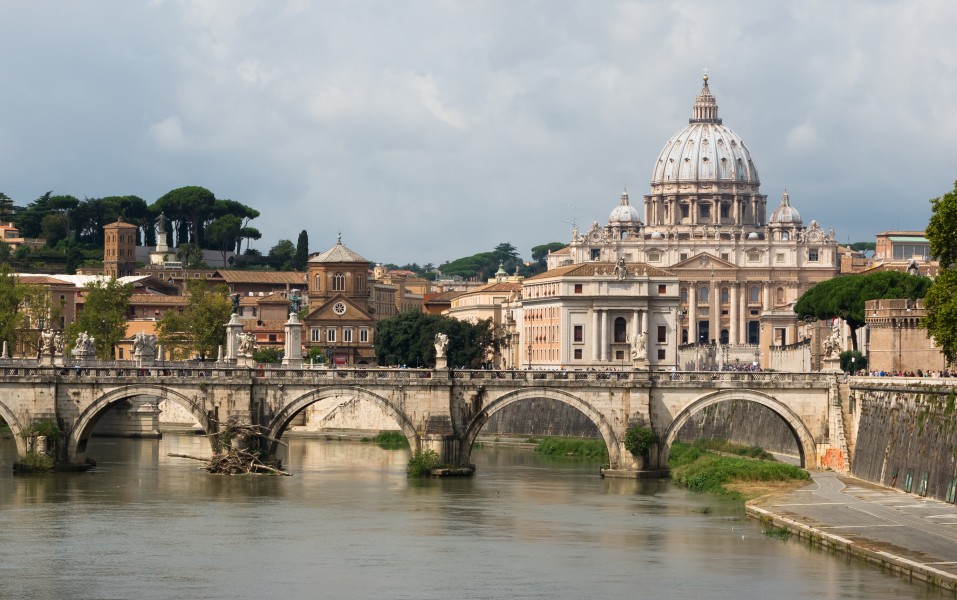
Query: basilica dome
x,y
785,214
624,214
705,150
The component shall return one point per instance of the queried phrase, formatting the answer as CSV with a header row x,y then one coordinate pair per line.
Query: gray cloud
x,y
426,131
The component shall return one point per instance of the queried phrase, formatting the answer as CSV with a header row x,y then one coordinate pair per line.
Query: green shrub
x,y
267,355
639,439
578,447
35,462
703,471
46,428
949,407
391,440
422,463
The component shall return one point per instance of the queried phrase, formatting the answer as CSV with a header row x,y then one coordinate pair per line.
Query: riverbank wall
x,y
905,435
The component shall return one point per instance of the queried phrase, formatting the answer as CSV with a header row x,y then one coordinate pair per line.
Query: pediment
x,y
705,260
327,311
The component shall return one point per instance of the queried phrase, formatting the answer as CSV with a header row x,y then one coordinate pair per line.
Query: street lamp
x,y
900,356
679,319
808,319
529,366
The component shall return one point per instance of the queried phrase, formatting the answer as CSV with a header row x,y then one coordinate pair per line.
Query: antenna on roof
x,y
574,220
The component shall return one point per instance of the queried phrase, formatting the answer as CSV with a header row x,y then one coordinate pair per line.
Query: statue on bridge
x,y
295,302
441,345
247,343
144,344
639,350
84,346
832,344
46,342
234,298
58,343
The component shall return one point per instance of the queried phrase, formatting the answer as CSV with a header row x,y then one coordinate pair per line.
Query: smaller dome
x,y
656,235
785,214
624,213
753,235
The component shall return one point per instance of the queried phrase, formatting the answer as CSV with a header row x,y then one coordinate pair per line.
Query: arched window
x,y
703,295
338,282
318,286
621,330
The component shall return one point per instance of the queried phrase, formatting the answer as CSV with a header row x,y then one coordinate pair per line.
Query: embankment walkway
x,y
908,534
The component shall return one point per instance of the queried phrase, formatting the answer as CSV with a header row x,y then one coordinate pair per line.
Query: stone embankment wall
x,y
741,422
906,437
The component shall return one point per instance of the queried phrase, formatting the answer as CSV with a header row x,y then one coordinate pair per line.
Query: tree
x,y
302,252
845,295
12,294
223,233
190,255
863,247
281,255
105,306
408,339
188,208
201,328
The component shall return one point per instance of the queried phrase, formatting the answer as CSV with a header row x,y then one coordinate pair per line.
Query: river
x,y
349,524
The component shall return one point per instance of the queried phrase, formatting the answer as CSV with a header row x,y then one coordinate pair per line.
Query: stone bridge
x,y
444,410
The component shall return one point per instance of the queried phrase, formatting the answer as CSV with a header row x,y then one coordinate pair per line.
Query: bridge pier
x,y
637,467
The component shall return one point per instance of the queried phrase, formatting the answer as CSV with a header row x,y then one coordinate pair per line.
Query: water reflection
x,y
349,524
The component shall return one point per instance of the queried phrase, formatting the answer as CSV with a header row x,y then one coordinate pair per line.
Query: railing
x,y
372,375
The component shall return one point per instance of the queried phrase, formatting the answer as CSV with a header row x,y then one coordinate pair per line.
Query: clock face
x,y
339,308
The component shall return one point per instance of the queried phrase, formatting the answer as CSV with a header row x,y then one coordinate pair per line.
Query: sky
x,y
429,130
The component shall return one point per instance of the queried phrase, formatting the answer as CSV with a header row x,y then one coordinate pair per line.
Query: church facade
x,y
705,222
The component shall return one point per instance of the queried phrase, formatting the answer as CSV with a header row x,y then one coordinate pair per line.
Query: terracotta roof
x,y
338,254
43,280
591,269
275,277
442,297
271,325
495,287
156,299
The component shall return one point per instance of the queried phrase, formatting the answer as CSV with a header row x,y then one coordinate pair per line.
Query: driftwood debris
x,y
231,460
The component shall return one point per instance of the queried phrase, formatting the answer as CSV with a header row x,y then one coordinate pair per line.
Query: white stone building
x,y
705,221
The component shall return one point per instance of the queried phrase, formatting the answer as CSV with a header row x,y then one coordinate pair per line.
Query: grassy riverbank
x,y
577,447
701,468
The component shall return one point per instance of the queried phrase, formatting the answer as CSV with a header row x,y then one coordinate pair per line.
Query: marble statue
x,y
639,350
441,345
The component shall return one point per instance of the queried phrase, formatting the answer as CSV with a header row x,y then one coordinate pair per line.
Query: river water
x,y
350,525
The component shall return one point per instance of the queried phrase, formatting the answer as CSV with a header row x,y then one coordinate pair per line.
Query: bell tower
x,y
119,249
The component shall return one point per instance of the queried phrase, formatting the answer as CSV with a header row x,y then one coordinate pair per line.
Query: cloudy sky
x,y
429,130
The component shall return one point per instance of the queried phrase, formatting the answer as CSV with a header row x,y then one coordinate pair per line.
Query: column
x,y
595,335
733,312
767,296
714,312
635,326
603,336
693,312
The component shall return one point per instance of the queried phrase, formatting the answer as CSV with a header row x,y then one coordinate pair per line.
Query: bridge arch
x,y
805,441
16,429
83,427
280,421
479,420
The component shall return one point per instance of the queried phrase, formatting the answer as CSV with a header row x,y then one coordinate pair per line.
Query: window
x,y
578,288
654,256
755,294
754,257
725,256
579,335
662,288
358,284
683,256
331,334
363,335
621,333
347,334
705,211
595,253
779,258
725,209
338,282
662,334
703,295
684,211
812,255
684,295
314,335
272,337
661,353
724,295
578,353
318,282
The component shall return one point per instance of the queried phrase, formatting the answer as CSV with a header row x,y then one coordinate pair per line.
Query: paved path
x,y
914,535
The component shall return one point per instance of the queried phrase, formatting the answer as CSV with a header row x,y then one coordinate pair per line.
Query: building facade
x,y
339,319
705,221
